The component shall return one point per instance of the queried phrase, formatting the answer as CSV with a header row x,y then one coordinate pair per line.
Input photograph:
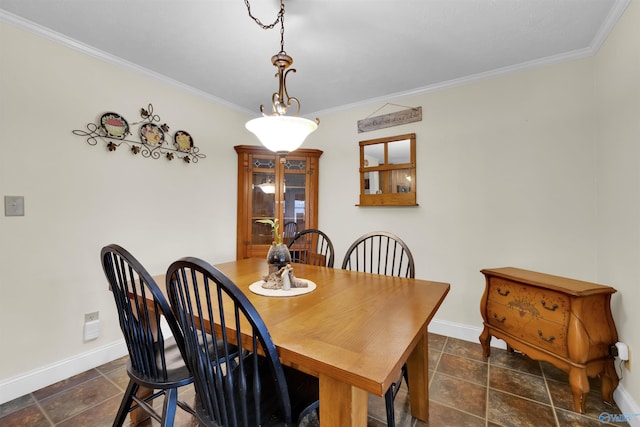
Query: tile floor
x,y
507,389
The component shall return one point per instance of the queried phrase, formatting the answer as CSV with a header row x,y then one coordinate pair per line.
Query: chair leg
x,y
388,398
169,409
127,400
405,374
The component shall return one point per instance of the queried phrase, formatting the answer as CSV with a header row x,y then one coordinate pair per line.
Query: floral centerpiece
x,y
280,274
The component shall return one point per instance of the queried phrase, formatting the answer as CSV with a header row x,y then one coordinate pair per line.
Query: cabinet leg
x,y
579,388
485,341
609,379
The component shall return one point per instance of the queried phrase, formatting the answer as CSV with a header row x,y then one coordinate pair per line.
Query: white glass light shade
x,y
267,187
281,134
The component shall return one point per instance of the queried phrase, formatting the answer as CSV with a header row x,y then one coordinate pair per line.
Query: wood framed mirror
x,y
388,171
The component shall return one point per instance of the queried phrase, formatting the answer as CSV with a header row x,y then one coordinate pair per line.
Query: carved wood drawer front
x,y
548,335
528,326
501,290
552,306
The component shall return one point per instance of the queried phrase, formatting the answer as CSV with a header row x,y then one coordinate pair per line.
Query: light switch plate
x,y
13,205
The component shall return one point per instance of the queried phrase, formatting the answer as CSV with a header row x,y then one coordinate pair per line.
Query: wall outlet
x,y
91,325
627,363
90,317
13,205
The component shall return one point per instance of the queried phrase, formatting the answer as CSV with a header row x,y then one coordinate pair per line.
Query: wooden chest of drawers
x,y
562,321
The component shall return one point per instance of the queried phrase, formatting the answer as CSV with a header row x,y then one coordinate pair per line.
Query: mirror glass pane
x,y
400,181
372,183
399,152
373,155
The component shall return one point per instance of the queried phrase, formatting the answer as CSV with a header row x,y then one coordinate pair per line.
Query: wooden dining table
x,y
354,332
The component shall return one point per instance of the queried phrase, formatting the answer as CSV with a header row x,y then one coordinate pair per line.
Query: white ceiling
x,y
346,52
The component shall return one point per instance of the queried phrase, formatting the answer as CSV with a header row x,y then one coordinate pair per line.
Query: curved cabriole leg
x,y
579,388
609,379
485,341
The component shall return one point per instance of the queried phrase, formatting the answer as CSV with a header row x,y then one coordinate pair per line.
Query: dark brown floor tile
x,y
73,381
514,360
516,382
551,372
573,419
470,350
434,357
101,415
563,398
458,394
120,363
441,415
30,416
16,404
509,410
79,398
436,342
463,368
119,377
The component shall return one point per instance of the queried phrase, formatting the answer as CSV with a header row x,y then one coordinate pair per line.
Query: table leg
x,y
418,371
342,404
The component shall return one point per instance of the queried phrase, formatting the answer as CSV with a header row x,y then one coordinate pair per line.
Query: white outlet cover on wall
x,y
13,206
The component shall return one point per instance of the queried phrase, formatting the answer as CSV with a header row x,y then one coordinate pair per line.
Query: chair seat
x,y
177,373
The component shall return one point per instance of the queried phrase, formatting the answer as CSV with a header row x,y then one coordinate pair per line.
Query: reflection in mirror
x,y
399,152
372,183
373,155
388,171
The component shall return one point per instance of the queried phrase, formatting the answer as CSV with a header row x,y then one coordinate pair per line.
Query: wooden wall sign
x,y
392,119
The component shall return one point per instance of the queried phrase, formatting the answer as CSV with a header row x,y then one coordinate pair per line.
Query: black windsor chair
x,y
155,360
259,391
312,246
290,230
385,253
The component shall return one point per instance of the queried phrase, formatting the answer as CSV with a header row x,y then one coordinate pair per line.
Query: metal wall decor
x,y
113,129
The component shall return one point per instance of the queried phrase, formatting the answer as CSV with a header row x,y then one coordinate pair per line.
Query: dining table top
x,y
358,328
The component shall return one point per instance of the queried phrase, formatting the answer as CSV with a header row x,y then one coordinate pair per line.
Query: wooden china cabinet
x,y
269,188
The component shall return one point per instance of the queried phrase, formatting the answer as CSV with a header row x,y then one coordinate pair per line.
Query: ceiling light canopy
x,y
277,131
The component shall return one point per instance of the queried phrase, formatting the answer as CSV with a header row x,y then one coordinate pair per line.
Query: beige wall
x,y
617,86
80,197
512,171
505,177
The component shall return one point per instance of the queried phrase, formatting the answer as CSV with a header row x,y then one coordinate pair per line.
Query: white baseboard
x,y
15,387
628,407
462,332
20,385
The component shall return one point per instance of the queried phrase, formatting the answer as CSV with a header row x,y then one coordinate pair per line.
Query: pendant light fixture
x,y
277,131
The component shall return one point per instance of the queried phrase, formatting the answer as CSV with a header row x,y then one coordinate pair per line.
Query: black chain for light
x,y
279,18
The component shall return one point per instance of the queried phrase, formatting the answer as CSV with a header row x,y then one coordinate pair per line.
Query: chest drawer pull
x,y
550,339
551,308
501,320
504,294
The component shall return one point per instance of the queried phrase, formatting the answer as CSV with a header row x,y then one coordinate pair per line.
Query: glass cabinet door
x,y
263,199
269,188
294,204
